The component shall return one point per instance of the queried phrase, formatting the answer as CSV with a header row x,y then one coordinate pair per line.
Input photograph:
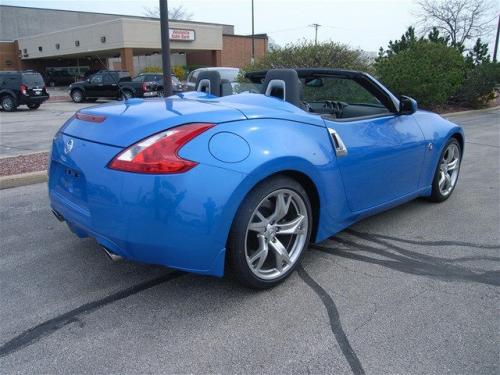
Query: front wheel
x,y
77,96
270,232
446,175
127,94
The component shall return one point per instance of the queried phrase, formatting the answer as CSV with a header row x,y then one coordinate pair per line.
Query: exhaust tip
x,y
111,255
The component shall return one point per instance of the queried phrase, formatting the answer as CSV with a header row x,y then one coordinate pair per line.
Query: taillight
x,y
158,154
90,118
144,87
23,89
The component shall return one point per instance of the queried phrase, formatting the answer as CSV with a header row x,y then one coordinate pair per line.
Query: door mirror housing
x,y
407,105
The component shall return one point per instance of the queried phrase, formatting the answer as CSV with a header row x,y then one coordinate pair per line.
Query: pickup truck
x,y
118,85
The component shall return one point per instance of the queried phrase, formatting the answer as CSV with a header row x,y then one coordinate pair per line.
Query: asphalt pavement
x,y
414,290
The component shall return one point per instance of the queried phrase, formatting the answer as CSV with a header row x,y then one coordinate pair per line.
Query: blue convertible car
x,y
210,179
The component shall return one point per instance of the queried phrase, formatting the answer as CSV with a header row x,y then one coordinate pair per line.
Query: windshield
x,y
229,74
33,79
139,78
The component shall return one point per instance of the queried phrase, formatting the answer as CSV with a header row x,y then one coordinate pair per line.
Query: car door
x,y
94,87
380,153
110,87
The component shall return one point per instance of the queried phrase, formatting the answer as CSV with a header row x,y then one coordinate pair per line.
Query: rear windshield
x,y
33,79
229,74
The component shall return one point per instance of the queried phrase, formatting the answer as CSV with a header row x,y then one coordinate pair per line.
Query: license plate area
x,y
70,183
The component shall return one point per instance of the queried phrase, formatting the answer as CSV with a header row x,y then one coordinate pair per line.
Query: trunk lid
x,y
128,122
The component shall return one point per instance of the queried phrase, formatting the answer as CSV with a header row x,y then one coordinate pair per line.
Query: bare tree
x,y
175,13
458,20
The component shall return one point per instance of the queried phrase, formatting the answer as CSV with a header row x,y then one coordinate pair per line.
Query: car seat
x,y
285,85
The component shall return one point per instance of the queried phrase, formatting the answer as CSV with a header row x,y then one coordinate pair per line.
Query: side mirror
x,y
407,105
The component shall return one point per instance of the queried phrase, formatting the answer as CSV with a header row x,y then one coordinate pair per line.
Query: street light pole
x,y
165,48
496,41
253,40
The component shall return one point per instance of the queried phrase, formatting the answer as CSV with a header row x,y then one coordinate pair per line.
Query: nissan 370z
x,y
245,175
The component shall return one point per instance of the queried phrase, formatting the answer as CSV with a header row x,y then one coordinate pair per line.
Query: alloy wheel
x,y
276,234
448,169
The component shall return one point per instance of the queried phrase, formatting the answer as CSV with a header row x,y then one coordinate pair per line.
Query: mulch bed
x,y
24,163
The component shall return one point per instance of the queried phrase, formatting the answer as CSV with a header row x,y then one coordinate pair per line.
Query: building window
x,y
58,46
40,48
103,39
77,43
25,50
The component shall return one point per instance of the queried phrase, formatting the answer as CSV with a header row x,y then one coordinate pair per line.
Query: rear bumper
x,y
180,221
23,99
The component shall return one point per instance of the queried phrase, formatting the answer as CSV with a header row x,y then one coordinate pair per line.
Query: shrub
x,y
152,69
306,54
179,72
478,87
429,72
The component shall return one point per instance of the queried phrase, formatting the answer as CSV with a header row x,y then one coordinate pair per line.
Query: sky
x,y
365,24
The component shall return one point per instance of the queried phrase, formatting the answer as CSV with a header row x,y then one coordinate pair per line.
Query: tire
x,y
34,106
127,94
77,96
9,103
257,242
91,100
447,171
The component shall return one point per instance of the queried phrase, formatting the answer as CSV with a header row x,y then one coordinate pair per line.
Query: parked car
x,y
103,84
199,183
22,88
147,85
228,74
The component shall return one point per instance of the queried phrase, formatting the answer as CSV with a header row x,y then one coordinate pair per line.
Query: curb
x,y
16,180
23,154
468,111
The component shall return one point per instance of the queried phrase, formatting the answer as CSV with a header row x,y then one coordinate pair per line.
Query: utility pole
x,y
496,41
165,48
316,26
253,39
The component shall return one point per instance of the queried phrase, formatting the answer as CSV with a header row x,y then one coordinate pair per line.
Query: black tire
x,y
34,106
236,245
127,94
91,100
437,195
77,96
9,103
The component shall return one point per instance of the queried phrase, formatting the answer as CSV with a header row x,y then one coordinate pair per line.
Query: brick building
x,y
74,42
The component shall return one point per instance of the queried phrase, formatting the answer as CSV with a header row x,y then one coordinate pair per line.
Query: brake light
x,y
144,87
158,154
23,89
90,118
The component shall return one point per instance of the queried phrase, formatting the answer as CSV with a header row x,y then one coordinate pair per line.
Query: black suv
x,y
103,84
21,88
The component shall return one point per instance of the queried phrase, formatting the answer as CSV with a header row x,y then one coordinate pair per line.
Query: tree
x,y
175,13
478,55
458,20
306,54
430,72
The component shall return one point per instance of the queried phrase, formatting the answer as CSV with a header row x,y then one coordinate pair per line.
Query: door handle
x,y
338,144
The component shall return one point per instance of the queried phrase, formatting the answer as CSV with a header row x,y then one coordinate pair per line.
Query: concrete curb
x,y
469,111
16,180
24,154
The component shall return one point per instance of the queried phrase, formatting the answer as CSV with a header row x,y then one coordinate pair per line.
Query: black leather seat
x,y
209,81
284,84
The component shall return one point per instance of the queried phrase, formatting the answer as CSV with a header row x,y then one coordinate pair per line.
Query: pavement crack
x,y
335,323
423,243
410,262
34,334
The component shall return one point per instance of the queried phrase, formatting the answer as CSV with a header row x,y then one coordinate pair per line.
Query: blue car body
x,y
183,220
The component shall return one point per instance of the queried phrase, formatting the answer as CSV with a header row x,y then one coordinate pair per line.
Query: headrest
x,y
209,81
283,84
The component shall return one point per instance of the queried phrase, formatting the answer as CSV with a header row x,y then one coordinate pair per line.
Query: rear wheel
x,y
127,94
446,176
77,96
9,103
270,232
34,106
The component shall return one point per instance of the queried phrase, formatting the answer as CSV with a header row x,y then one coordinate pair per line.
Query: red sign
x,y
181,35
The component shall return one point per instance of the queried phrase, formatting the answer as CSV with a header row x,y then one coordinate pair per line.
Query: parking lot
x,y
412,290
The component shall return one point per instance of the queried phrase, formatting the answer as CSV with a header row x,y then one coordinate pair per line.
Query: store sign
x,y
181,35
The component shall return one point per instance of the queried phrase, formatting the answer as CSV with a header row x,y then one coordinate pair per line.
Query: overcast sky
x,y
366,24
